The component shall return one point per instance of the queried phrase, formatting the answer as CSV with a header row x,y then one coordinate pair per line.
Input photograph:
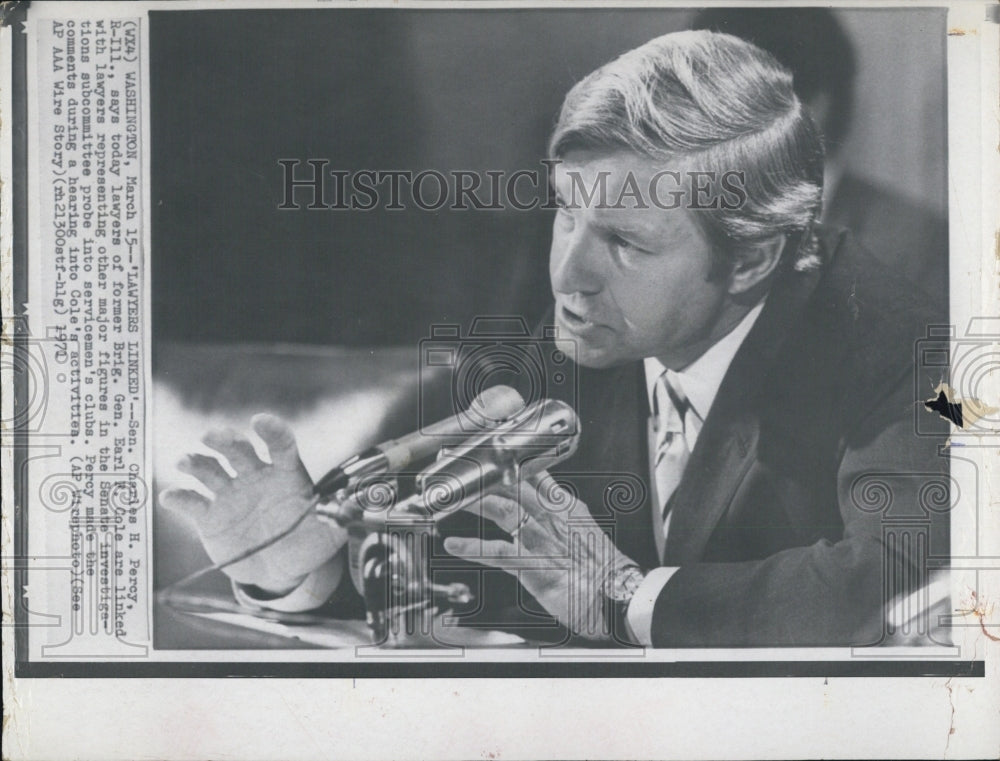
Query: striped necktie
x,y
672,453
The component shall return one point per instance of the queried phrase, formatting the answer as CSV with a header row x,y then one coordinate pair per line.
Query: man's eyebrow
x,y
621,227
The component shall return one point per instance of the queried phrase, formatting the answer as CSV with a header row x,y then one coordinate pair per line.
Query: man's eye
x,y
619,242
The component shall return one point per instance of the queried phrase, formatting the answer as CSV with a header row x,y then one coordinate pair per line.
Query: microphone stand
x,y
394,561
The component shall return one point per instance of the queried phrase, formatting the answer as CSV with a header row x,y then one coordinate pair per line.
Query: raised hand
x,y
260,502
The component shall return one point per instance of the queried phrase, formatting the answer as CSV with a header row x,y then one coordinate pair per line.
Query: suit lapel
x,y
727,444
612,455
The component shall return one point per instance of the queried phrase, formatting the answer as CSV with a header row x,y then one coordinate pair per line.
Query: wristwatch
x,y
619,589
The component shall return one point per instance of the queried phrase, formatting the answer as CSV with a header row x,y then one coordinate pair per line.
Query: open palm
x,y
261,501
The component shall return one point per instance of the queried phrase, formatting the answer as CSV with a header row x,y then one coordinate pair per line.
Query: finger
x,y
538,478
487,552
280,440
494,553
532,481
527,498
542,496
185,502
504,512
524,529
206,469
234,447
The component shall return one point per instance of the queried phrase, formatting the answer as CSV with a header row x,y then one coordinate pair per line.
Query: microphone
x,y
542,435
491,407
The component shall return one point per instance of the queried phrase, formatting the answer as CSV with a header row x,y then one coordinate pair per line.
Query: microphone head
x,y
493,405
488,410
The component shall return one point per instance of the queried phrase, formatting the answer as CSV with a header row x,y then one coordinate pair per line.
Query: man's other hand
x,y
261,501
557,552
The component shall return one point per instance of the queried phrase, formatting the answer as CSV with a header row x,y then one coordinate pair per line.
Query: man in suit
x,y
752,371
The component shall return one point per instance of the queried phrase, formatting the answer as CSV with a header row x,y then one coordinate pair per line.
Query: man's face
x,y
630,282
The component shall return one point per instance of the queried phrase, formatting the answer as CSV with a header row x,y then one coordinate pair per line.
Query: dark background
x,y
234,92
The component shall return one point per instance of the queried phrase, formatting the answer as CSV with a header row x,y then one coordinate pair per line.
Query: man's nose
x,y
577,263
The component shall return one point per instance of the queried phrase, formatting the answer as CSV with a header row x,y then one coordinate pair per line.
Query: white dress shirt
x,y
700,383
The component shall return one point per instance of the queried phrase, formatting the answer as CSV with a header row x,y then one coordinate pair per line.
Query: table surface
x,y
215,622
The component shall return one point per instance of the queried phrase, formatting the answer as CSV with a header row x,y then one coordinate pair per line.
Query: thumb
x,y
279,438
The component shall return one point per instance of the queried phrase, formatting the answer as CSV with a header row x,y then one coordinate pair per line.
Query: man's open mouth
x,y
575,319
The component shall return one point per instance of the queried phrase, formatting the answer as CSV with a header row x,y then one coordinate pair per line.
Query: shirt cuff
x,y
639,615
314,590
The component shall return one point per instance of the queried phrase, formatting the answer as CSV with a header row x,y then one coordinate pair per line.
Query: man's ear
x,y
755,263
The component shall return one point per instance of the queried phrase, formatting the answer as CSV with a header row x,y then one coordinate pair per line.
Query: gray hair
x,y
722,102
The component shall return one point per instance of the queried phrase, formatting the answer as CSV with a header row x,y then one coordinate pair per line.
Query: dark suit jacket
x,y
907,237
779,528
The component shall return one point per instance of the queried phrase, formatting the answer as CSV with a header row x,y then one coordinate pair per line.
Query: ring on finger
x,y
520,525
